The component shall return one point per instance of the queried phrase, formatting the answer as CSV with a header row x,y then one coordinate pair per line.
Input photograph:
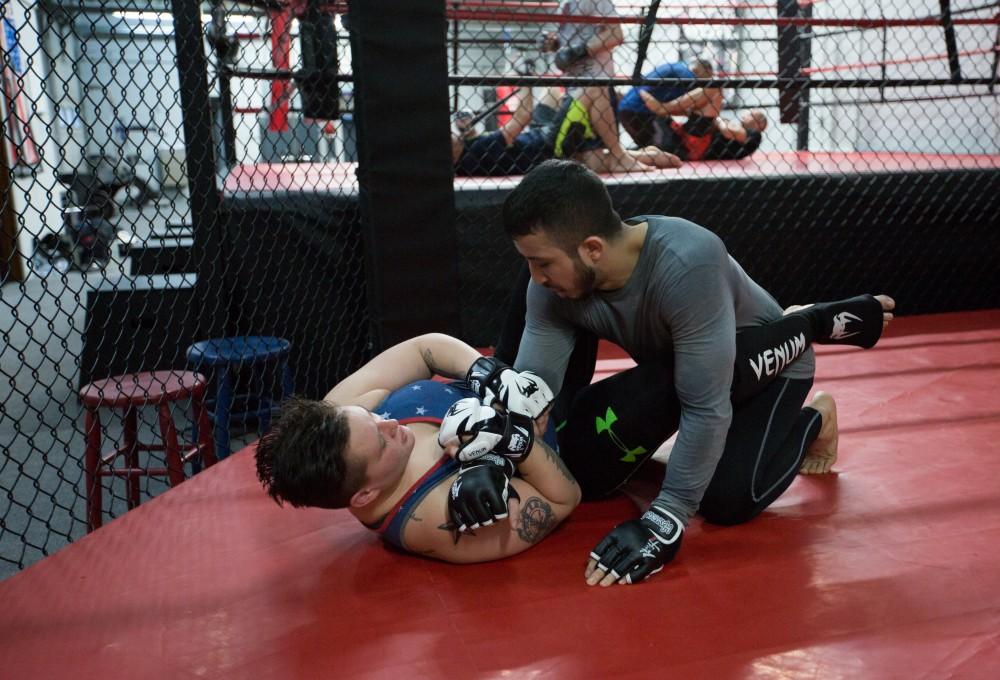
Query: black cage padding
x,y
404,167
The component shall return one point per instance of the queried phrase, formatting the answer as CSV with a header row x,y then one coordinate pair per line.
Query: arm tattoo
x,y
428,358
556,460
452,528
537,520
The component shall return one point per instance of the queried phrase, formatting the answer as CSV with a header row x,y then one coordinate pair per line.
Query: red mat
x,y
341,178
888,569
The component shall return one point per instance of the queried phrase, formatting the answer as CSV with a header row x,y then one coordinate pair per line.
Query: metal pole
x,y
805,59
949,40
225,91
644,36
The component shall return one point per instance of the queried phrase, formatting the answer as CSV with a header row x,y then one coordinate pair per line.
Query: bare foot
x,y
627,163
650,155
822,453
795,308
888,304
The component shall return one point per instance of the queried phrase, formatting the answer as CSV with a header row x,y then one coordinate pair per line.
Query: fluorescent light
x,y
168,18
156,17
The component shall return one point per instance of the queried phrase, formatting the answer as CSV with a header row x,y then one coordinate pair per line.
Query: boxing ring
x,y
292,180
885,569
781,214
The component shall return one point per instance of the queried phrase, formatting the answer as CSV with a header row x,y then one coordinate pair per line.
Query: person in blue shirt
x,y
644,126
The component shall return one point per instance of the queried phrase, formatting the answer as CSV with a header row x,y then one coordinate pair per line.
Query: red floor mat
x,y
887,569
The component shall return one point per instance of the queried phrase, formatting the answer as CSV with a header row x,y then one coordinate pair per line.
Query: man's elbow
x,y
577,496
615,37
561,511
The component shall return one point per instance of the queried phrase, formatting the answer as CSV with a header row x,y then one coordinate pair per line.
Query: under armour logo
x,y
840,322
604,425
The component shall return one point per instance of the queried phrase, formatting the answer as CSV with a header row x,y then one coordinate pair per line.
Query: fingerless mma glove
x,y
640,547
570,54
478,429
479,495
524,393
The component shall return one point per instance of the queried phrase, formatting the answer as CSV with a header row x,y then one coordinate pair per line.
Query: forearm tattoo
x,y
556,460
537,520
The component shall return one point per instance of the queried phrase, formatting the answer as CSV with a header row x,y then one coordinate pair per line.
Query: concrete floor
x,y
42,506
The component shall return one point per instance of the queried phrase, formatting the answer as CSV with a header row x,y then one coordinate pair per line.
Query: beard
x,y
584,279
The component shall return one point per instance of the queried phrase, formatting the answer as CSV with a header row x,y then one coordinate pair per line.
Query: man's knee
x,y
729,511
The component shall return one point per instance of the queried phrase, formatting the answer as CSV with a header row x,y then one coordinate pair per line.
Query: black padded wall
x,y
404,166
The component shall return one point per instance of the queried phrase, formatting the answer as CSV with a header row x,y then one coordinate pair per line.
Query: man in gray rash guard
x,y
668,292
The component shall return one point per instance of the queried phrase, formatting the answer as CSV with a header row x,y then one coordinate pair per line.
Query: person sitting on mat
x,y
557,127
668,292
706,136
584,49
388,443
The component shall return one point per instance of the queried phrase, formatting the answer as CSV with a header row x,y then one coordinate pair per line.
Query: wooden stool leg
x,y
92,468
131,437
175,467
205,441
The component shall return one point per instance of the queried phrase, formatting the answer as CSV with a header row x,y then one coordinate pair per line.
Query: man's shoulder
x,y
676,69
682,239
664,226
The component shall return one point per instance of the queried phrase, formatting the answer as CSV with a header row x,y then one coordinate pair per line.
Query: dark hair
x,y
563,199
301,458
705,65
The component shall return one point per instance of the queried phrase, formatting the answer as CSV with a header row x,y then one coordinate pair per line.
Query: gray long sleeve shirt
x,y
687,296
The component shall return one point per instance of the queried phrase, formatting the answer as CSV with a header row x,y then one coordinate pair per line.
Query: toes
x,y
815,466
887,302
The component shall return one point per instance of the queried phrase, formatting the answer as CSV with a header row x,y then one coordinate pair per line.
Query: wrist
x,y
664,524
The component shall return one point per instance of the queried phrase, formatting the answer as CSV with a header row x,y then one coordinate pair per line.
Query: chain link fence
x,y
121,250
176,171
804,127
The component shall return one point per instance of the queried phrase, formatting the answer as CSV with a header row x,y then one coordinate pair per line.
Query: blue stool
x,y
222,359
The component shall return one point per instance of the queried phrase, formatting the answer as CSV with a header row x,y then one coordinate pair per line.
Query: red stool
x,y
129,392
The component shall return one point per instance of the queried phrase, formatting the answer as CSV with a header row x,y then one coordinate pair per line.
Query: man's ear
x,y
591,249
363,497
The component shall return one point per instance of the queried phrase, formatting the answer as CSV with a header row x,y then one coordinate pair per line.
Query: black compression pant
x,y
608,429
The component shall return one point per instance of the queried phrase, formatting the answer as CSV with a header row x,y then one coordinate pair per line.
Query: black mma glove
x,y
525,67
523,392
478,429
639,548
570,54
479,496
